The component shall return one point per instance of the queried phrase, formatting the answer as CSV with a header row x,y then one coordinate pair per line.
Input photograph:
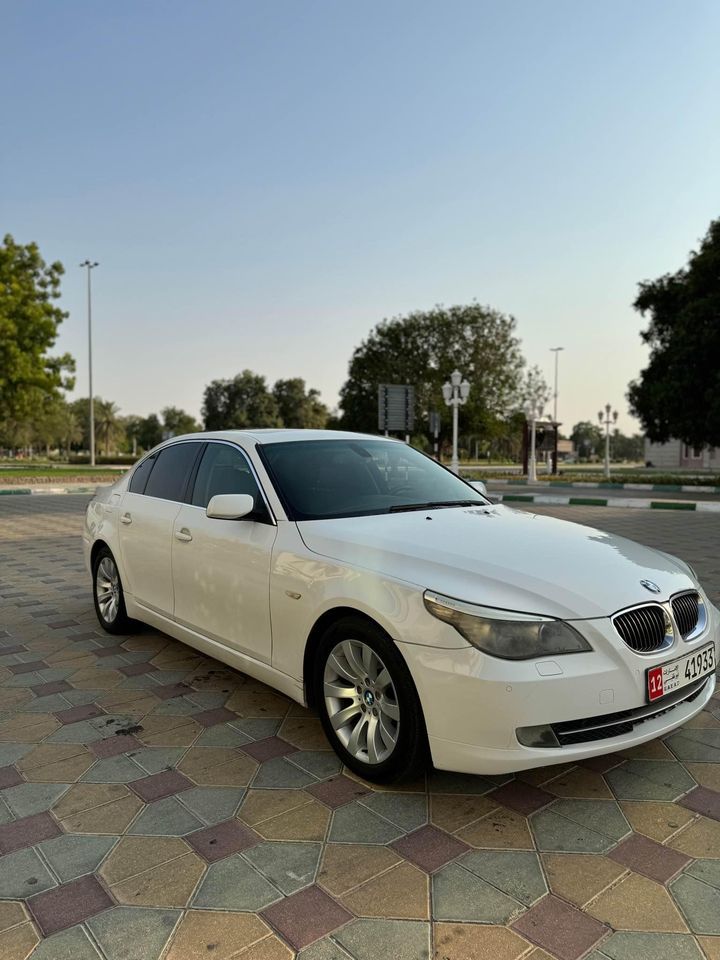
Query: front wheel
x,y
368,704
108,594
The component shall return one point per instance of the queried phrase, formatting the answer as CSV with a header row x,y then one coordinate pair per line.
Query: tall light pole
x,y
533,411
556,351
606,420
90,264
455,394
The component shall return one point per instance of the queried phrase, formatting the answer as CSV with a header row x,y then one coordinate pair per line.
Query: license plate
x,y
679,673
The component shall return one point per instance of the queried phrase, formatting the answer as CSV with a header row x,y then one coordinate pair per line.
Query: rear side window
x,y
140,476
223,470
172,469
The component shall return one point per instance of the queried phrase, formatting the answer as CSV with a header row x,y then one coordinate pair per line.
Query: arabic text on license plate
x,y
679,673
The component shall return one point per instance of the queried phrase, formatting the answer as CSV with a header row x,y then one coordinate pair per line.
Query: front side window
x,y
320,479
223,469
171,471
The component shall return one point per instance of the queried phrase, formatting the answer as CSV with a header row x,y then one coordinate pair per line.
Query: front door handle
x,y
126,518
183,534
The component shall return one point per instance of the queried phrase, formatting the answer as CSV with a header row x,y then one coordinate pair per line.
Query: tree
x,y
176,422
299,408
29,322
107,423
149,432
678,393
423,349
533,392
587,439
240,403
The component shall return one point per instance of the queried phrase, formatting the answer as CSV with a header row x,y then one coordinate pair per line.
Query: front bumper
x,y
474,704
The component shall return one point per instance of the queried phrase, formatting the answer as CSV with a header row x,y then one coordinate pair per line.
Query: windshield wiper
x,y
435,505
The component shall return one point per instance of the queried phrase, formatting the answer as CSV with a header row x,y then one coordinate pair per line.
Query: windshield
x,y
322,479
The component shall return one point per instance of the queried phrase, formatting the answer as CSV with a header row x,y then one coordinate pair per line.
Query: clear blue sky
x,y
263,182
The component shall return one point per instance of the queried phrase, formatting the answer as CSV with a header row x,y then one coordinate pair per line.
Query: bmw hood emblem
x,y
650,585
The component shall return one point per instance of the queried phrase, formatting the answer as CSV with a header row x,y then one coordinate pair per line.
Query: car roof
x,y
281,435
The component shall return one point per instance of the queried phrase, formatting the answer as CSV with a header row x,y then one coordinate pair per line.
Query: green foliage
x,y
29,322
299,408
423,349
678,393
240,403
149,432
177,421
588,439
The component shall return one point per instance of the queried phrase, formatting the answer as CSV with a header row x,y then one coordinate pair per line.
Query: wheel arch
x,y
323,623
96,548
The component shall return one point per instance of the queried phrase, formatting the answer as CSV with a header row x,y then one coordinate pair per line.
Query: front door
x,y
221,568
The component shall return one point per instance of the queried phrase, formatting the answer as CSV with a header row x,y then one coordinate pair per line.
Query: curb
x,y
38,491
710,506
607,485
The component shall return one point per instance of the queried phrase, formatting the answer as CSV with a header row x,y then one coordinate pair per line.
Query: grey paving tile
x,y
73,856
10,752
157,759
29,798
279,773
52,704
257,728
5,814
400,939
234,884
697,744
649,780
463,896
289,866
23,874
699,903
165,818
555,833
707,870
650,946
323,950
118,769
212,804
124,931
81,732
602,816
320,763
354,823
406,810
440,781
516,872
72,944
176,707
223,735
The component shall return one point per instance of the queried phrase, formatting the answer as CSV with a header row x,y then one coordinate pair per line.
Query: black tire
x,y
116,621
409,756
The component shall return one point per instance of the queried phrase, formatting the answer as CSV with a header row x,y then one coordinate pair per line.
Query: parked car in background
x,y
358,576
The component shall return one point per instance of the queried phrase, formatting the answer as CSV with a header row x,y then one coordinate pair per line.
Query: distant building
x,y
675,453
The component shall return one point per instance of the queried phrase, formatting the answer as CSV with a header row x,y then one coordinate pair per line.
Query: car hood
x,y
503,558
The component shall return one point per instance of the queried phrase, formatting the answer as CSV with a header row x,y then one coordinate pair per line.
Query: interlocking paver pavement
x,y
156,805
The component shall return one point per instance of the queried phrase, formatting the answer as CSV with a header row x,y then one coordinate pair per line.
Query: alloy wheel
x,y
361,701
107,589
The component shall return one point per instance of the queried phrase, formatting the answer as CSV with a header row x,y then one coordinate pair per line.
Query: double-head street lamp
x,y
455,393
607,419
89,265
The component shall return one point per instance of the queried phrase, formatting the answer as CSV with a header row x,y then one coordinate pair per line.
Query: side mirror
x,y
479,486
230,506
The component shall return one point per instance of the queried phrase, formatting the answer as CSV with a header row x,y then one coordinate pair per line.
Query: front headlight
x,y
504,633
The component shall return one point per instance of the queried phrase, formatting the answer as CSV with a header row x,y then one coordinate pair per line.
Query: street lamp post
x,y
607,419
533,411
455,393
556,351
90,264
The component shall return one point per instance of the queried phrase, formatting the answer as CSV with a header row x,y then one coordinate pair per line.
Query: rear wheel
x,y
367,701
108,594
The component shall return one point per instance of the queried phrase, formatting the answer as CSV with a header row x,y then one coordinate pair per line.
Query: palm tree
x,y
106,421
69,429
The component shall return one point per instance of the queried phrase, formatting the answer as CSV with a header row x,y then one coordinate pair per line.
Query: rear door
x,y
221,568
147,513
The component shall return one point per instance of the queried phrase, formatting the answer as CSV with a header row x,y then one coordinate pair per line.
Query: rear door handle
x,y
126,518
183,534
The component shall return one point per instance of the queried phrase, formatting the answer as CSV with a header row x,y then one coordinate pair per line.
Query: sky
x,y
263,182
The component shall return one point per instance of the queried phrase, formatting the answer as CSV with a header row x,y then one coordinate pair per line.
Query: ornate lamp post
x,y
533,411
607,419
455,393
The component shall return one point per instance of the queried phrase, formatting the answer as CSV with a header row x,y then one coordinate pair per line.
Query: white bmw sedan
x,y
360,577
